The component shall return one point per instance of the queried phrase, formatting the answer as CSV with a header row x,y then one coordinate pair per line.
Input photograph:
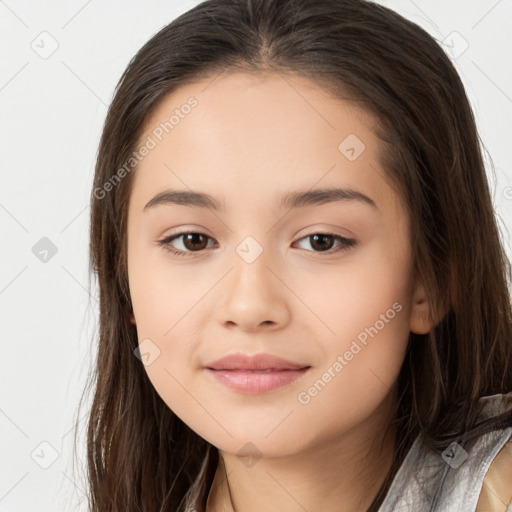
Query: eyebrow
x,y
290,200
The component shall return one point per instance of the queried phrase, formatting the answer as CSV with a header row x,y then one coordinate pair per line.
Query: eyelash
x,y
346,243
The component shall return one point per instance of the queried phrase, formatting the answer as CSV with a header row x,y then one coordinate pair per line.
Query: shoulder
x,y
494,405
496,493
456,480
496,488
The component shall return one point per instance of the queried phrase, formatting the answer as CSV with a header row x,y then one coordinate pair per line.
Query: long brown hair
x,y
141,456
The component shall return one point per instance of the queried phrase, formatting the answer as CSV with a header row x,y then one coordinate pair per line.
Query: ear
x,y
129,314
420,319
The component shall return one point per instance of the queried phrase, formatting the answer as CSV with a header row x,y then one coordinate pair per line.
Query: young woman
x,y
304,299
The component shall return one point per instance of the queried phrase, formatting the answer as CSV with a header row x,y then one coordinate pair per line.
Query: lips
x,y
259,363
257,374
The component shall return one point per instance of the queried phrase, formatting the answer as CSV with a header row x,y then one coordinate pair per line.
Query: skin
x,y
251,139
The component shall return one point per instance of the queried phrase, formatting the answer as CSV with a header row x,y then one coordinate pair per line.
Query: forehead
x,y
251,131
264,103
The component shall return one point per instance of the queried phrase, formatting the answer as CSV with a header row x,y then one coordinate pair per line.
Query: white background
x,y
52,110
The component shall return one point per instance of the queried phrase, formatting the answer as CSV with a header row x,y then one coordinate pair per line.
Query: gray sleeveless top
x,y
449,482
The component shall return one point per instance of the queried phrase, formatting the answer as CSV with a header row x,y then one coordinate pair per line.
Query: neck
x,y
343,473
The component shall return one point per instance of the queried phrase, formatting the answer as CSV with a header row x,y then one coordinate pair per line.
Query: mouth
x,y
255,374
257,381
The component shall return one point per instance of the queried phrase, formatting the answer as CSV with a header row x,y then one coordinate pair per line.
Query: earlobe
x,y
420,321
132,319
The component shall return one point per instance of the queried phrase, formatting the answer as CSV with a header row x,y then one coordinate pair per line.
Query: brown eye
x,y
195,241
190,242
324,242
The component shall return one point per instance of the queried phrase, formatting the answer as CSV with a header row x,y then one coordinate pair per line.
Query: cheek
x,y
162,292
369,289
166,302
362,360
364,312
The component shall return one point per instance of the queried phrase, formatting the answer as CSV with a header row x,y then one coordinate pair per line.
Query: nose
x,y
254,296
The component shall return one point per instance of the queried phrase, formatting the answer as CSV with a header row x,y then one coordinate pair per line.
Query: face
x,y
324,282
